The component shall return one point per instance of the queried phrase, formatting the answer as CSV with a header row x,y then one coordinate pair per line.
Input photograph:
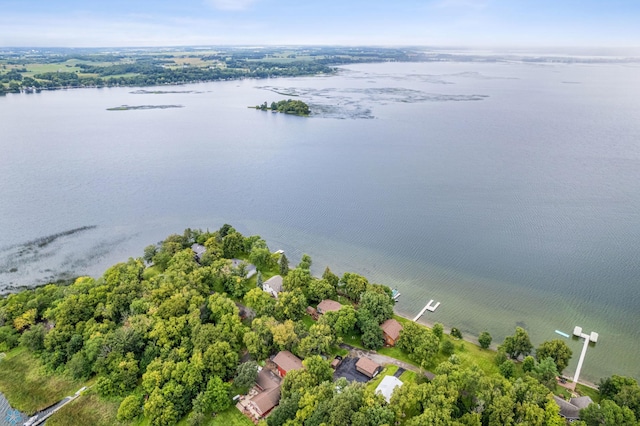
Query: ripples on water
x,y
508,192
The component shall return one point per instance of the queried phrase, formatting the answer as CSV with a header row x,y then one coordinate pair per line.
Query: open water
x,y
509,192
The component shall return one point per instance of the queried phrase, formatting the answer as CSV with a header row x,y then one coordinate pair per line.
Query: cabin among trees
x,y
285,361
391,329
328,305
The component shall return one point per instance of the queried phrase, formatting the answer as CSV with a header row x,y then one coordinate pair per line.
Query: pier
x,y
428,307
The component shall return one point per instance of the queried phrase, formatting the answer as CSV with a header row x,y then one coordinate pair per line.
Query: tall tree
x,y
284,265
556,349
518,344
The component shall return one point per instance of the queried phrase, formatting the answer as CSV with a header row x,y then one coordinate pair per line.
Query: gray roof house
x,y
198,251
273,285
570,410
251,269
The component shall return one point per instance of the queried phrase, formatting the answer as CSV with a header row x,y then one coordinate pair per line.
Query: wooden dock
x,y
428,307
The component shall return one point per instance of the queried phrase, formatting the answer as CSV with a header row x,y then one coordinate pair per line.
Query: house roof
x,y
198,249
391,328
581,402
267,380
275,282
249,266
287,361
387,385
567,409
328,305
266,400
367,365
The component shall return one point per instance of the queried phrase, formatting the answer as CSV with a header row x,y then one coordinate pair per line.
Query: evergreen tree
x,y
284,265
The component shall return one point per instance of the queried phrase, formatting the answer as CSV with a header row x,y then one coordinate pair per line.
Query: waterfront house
x,y
391,331
273,285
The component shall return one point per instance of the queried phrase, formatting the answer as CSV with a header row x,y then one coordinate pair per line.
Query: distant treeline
x,y
101,69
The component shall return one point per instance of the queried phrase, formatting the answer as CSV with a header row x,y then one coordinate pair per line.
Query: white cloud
x,y
231,5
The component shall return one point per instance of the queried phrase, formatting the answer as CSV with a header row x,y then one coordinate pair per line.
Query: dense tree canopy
x,y
176,337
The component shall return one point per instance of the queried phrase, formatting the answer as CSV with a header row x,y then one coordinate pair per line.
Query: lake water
x,y
508,192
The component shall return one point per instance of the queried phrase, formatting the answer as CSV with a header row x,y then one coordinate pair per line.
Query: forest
x,y
174,335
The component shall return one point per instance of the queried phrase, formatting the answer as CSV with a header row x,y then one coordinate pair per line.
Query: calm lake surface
x,y
508,192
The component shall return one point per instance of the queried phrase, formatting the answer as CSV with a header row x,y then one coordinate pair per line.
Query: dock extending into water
x,y
428,307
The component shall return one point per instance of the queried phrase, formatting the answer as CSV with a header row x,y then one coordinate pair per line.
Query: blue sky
x,y
473,23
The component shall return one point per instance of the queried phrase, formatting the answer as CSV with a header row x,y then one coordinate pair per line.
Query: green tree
x,y
284,265
447,347
607,413
261,302
318,368
378,306
160,410
149,253
232,245
284,335
297,279
291,304
33,338
611,386
528,364
485,339
305,262
261,257
507,369
342,321
319,341
246,374
438,330
546,372
332,278
218,393
556,349
518,344
319,290
353,285
372,336
130,408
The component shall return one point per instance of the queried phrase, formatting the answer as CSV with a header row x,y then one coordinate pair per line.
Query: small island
x,y
288,107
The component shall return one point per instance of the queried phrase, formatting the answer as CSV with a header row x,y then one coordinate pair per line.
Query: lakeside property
x,y
182,330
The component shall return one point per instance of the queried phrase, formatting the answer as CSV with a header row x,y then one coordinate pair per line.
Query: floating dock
x,y
429,307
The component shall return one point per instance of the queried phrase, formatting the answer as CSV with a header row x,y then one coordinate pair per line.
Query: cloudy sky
x,y
474,23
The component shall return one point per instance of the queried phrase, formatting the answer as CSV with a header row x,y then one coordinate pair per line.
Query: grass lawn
x,y
230,417
408,376
397,354
27,386
88,409
388,370
587,391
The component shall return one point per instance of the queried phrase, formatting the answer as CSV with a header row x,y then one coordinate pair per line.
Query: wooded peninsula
x,y
213,328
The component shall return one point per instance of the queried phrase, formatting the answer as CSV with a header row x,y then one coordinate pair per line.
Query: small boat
x,y
395,294
562,333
